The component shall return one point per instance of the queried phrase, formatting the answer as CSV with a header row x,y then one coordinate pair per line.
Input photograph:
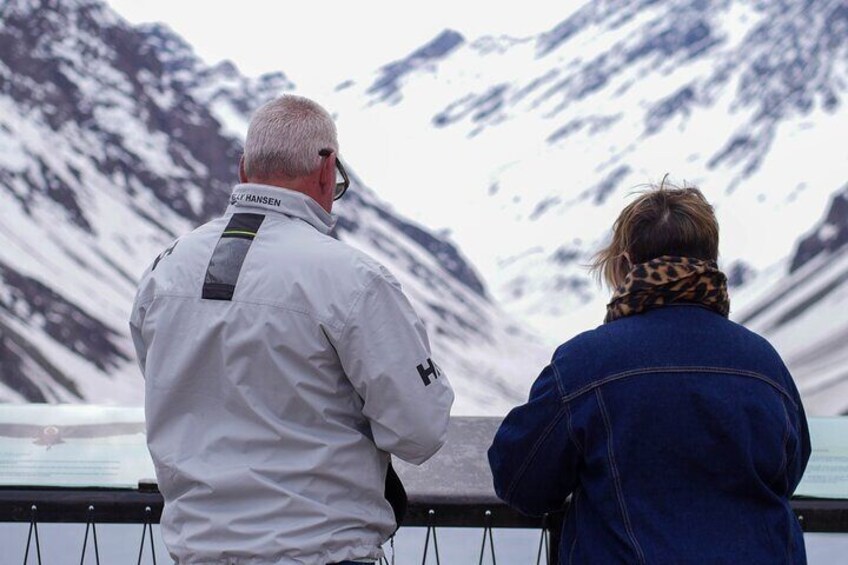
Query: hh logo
x,y
431,370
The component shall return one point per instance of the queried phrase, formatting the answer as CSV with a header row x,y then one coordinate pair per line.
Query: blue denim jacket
x,y
679,434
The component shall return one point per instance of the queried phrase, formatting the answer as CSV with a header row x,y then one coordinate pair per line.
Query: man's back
x,y
281,366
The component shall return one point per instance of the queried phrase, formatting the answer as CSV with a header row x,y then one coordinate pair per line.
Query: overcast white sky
x,y
319,44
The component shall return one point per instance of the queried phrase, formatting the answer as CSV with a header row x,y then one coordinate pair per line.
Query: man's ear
x,y
242,172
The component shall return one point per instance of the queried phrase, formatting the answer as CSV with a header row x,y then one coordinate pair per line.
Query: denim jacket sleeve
x,y
533,458
799,450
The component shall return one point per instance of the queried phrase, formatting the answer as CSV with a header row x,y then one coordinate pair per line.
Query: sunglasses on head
x,y
342,180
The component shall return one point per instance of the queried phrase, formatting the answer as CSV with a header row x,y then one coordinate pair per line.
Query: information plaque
x,y
827,472
72,446
82,446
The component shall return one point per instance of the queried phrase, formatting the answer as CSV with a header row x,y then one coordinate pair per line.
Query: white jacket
x,y
273,403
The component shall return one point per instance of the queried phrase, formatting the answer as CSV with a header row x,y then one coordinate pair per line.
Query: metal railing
x,y
453,490
94,507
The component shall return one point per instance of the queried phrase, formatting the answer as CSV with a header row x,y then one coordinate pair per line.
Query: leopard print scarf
x,y
668,280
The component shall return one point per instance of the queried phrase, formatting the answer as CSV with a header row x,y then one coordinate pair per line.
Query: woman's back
x,y
692,438
679,435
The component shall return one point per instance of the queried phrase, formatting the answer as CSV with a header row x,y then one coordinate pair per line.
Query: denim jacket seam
x,y
785,471
790,538
617,479
791,457
557,379
677,369
570,426
532,455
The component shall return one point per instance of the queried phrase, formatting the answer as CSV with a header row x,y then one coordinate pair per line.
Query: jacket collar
x,y
281,200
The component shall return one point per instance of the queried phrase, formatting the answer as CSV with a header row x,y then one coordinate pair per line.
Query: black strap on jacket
x,y
228,257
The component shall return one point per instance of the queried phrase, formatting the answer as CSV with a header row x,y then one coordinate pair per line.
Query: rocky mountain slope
x,y
804,313
521,150
113,140
526,148
548,134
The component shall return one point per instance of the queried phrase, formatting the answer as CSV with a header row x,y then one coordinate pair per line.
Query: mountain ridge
x,y
117,139
550,135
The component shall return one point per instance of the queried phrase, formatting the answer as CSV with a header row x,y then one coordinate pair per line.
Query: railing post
x,y
90,524
148,524
487,530
544,544
555,524
33,526
431,527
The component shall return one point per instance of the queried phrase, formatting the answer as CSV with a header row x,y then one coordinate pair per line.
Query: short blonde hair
x,y
663,220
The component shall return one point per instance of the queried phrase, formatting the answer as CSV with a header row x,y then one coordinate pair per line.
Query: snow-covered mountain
x,y
526,148
114,139
522,150
805,311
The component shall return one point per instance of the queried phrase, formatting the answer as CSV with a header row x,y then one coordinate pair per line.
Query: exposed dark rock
x,y
387,84
739,273
565,255
829,236
21,360
453,320
12,371
344,224
444,252
573,126
60,192
692,40
479,107
608,185
544,206
344,85
678,103
575,284
34,303
802,306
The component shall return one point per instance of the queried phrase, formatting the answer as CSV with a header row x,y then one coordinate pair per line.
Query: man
x,y
282,367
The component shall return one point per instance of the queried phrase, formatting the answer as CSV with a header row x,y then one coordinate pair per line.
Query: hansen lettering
x,y
255,199
427,372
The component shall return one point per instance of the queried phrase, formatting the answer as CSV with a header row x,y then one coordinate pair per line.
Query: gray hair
x,y
285,136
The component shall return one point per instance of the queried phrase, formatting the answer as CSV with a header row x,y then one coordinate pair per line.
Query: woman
x,y
679,434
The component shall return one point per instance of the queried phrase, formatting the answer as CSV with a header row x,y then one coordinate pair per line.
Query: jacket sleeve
x,y
140,305
799,450
533,457
385,353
